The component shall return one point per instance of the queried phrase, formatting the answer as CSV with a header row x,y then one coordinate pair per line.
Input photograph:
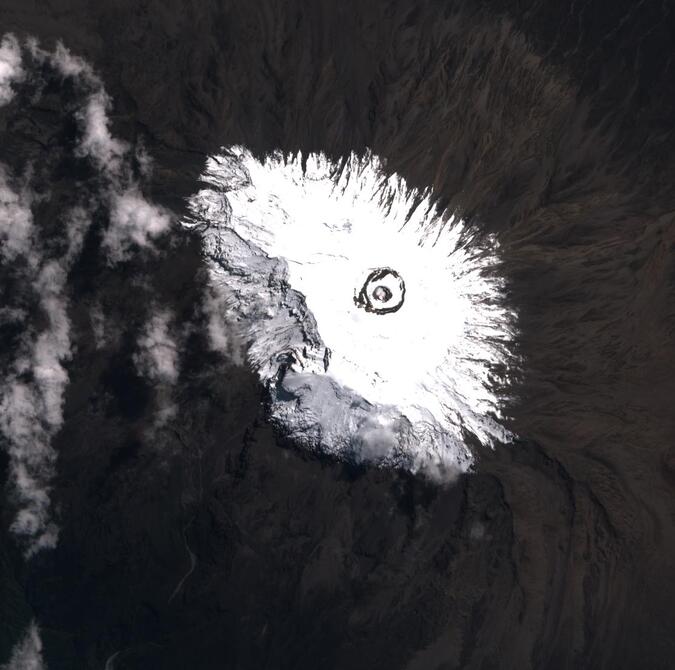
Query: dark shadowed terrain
x,y
201,543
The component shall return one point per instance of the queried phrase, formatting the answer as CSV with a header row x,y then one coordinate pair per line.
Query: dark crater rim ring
x,y
363,299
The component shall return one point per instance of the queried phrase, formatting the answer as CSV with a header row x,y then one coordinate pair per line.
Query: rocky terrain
x,y
189,534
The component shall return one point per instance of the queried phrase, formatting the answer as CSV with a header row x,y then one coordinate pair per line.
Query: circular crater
x,y
383,292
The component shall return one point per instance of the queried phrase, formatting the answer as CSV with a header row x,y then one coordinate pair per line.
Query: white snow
x,y
429,364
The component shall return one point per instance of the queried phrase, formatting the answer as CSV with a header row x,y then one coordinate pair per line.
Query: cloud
x,y
97,141
69,66
157,359
52,345
31,411
133,221
11,70
27,654
376,438
31,463
144,160
219,338
157,356
31,398
222,337
16,220
98,325
11,314
32,393
78,222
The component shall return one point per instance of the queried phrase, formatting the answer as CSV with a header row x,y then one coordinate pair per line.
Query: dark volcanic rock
x,y
204,543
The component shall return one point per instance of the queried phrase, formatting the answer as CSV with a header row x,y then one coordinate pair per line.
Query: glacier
x,y
378,325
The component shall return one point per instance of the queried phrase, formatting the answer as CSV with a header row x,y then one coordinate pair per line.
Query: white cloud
x,y
77,225
32,395
376,437
133,221
222,335
144,160
11,70
98,325
97,141
12,314
63,61
31,398
31,411
69,66
219,338
16,221
52,346
31,462
27,415
157,359
27,654
157,356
